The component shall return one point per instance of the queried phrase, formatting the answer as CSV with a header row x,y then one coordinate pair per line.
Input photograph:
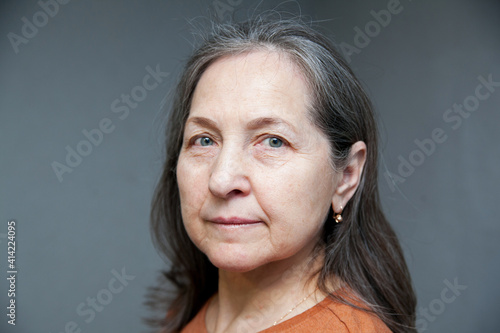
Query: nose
x,y
229,176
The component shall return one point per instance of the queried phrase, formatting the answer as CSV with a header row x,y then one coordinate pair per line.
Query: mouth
x,y
234,221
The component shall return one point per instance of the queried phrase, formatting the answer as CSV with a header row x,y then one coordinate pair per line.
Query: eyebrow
x,y
269,121
252,125
203,122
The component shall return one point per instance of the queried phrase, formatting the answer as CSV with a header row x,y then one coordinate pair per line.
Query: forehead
x,y
253,83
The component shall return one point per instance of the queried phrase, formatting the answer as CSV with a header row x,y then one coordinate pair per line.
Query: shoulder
x,y
331,316
353,319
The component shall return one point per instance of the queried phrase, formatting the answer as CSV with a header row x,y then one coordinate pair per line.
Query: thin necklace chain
x,y
303,300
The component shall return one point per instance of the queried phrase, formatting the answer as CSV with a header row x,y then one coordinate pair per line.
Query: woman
x,y
268,205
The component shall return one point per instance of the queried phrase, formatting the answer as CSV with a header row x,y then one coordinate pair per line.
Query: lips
x,y
233,221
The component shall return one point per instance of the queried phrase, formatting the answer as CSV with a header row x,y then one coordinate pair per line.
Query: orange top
x,y
326,316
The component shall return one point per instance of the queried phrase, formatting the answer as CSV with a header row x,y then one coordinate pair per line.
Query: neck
x,y
258,298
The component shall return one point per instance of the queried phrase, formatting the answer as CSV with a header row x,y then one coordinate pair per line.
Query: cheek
x,y
290,199
192,193
192,187
295,200
304,187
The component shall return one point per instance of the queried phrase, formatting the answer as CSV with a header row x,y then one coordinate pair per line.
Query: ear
x,y
350,177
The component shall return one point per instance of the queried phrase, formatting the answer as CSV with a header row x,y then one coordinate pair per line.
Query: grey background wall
x,y
75,233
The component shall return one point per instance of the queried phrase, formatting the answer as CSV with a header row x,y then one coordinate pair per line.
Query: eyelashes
x,y
274,142
269,140
204,141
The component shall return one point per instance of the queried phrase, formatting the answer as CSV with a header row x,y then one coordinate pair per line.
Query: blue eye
x,y
205,141
275,142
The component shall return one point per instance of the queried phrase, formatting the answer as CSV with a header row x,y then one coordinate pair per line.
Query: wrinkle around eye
x,y
266,153
192,147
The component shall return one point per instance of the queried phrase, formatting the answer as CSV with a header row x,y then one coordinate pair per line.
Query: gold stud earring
x,y
338,217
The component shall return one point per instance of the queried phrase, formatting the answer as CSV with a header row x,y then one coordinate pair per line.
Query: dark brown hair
x,y
363,251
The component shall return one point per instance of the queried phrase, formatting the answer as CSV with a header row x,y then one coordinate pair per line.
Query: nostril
x,y
228,174
229,186
234,192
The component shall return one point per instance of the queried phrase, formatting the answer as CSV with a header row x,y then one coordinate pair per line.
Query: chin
x,y
235,268
234,260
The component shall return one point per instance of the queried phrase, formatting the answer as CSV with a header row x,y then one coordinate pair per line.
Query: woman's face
x,y
254,175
